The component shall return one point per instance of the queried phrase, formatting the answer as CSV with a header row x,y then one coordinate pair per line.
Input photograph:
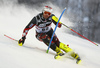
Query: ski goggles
x,y
48,13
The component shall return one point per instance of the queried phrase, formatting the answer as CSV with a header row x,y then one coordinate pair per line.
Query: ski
x,y
58,57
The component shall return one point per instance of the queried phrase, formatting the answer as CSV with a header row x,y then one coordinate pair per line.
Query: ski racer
x,y
44,31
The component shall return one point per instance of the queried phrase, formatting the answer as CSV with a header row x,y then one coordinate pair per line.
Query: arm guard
x,y
55,20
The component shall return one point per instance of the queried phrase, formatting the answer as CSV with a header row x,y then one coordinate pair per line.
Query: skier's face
x,y
46,14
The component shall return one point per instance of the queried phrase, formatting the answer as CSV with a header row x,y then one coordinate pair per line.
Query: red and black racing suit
x,y
44,30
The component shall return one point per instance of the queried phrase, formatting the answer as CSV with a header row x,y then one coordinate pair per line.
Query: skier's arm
x,y
25,31
55,20
29,26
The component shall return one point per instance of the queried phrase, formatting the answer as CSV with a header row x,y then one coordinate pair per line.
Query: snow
x,y
33,53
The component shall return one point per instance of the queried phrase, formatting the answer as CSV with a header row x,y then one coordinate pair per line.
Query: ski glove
x,y
21,41
59,25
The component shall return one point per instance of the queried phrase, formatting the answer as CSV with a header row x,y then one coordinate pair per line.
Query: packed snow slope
x,y
32,54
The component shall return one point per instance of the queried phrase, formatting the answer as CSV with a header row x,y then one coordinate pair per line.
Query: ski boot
x,y
70,51
78,60
59,53
74,55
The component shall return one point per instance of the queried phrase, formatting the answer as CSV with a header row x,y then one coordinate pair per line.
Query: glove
x,y
21,41
59,25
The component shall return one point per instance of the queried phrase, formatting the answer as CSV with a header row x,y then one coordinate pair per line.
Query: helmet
x,y
47,8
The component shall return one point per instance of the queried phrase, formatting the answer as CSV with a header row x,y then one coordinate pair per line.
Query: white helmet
x,y
47,8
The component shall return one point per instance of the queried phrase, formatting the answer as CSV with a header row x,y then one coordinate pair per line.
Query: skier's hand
x,y
21,41
59,25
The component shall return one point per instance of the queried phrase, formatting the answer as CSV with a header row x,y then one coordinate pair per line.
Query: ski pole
x,y
10,38
79,34
55,29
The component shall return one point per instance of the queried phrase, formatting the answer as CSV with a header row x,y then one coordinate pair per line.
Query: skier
x,y
44,31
